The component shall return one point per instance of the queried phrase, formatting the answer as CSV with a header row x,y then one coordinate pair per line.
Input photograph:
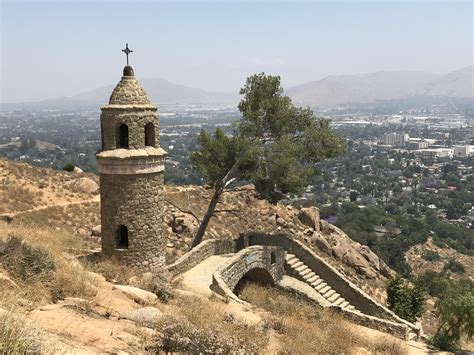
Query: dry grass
x,y
35,260
17,336
305,329
196,325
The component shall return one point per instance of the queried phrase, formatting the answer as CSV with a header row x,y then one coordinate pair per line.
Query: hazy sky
x,y
62,48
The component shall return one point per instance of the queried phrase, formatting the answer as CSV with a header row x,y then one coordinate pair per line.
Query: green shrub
x,y
69,167
454,266
455,308
405,300
430,255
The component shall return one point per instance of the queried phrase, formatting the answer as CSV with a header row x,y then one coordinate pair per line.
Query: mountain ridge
x,y
335,90
332,90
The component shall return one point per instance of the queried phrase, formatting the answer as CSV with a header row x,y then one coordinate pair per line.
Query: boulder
x,y
81,231
86,186
321,243
147,316
327,228
78,169
309,216
370,256
280,221
358,262
184,223
137,294
95,232
338,251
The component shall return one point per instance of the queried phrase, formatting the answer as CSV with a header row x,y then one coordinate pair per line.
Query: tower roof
x,y
129,91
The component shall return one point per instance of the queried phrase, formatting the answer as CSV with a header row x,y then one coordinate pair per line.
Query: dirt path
x,y
199,278
12,215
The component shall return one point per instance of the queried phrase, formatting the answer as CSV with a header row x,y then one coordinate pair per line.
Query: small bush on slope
x,y
17,336
405,300
36,261
201,326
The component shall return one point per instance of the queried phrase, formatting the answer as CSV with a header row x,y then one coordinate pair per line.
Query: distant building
x,y
398,139
463,151
436,153
417,144
439,135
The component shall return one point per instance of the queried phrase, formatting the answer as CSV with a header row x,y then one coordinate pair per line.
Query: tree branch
x,y
183,211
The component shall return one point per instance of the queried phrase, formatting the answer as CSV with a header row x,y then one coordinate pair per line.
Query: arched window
x,y
122,237
122,141
272,257
150,135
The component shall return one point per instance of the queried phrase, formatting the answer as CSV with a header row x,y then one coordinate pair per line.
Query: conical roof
x,y
129,91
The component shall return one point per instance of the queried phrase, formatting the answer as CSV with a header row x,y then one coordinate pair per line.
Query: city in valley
x,y
236,177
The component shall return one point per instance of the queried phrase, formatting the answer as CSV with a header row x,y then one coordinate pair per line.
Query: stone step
x,y
312,279
339,302
334,297
301,268
290,257
328,293
344,304
305,272
295,263
318,282
350,307
321,286
324,289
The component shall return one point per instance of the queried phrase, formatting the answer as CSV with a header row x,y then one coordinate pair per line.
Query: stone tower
x,y
131,168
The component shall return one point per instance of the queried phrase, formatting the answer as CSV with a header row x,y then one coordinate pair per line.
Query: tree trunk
x,y
226,180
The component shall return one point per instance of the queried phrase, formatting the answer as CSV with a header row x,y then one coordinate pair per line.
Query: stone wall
x,y
198,254
397,329
135,201
355,296
268,260
136,118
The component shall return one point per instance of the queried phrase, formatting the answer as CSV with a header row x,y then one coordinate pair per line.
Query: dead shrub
x,y
17,336
387,346
113,270
159,283
201,326
303,328
25,261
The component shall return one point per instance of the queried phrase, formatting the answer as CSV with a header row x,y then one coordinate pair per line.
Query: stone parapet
x,y
355,296
131,162
198,254
268,261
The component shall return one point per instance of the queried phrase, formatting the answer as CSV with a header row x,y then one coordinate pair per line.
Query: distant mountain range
x,y
330,91
343,89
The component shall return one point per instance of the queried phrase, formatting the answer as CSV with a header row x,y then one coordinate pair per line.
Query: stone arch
x,y
122,137
149,134
121,241
257,275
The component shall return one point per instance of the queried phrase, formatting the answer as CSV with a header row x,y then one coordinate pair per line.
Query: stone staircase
x,y
311,278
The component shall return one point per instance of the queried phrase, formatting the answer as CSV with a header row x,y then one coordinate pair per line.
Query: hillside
x,y
69,201
343,89
49,222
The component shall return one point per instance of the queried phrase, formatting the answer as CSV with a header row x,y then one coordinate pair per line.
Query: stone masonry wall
x,y
338,282
136,120
198,254
226,278
135,201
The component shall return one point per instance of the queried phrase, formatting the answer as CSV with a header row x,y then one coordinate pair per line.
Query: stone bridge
x,y
221,266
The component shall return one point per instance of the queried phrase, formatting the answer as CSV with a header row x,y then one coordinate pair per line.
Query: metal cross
x,y
127,51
